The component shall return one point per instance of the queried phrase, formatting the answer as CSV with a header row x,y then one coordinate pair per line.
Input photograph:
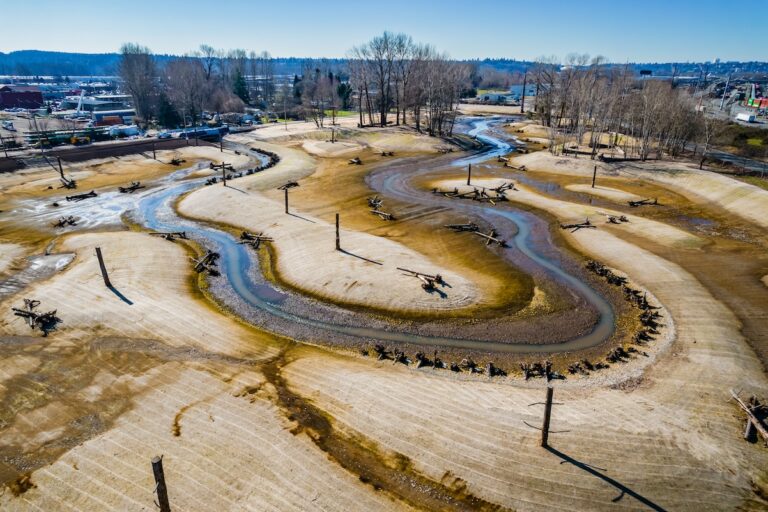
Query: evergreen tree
x,y
240,88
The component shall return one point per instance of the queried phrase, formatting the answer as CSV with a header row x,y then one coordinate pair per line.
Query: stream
x,y
237,261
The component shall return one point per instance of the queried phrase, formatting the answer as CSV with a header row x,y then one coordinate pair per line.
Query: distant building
x,y
20,96
96,103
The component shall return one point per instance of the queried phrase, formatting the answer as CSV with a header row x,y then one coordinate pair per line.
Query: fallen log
x,y
81,197
463,227
135,185
644,202
578,226
491,238
383,215
355,161
65,221
758,424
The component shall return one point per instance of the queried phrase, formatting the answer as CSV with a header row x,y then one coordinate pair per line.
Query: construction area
x,y
296,317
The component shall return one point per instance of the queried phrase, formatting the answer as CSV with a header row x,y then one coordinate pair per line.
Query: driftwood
x,y
170,235
46,322
387,153
463,227
207,262
177,161
751,417
355,161
445,149
491,237
375,202
288,185
81,197
65,221
254,239
67,182
578,226
427,280
383,215
135,185
510,166
644,202
612,219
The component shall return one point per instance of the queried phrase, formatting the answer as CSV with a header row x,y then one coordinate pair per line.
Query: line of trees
x,y
177,91
585,101
391,72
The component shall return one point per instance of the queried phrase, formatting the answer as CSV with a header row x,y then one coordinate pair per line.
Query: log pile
x,y
577,226
45,322
471,226
177,161
491,238
68,183
445,149
254,239
170,235
274,158
420,360
479,193
387,153
81,197
207,263
134,186
375,204
65,221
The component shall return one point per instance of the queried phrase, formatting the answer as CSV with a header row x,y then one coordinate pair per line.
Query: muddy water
x,y
236,263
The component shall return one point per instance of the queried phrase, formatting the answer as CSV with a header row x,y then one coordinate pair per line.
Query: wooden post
x,y
522,96
547,415
469,174
103,268
224,173
594,176
286,199
338,240
221,143
154,155
61,169
160,488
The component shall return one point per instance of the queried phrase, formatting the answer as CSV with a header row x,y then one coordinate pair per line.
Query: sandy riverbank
x,y
742,199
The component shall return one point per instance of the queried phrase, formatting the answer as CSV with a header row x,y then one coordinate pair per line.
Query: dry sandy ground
x,y
742,199
156,302
669,439
568,212
9,254
364,273
292,129
162,375
331,149
612,194
104,172
476,109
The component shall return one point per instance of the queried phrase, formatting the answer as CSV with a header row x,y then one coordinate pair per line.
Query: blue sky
x,y
622,30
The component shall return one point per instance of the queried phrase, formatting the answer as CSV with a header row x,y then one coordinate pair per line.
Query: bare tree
x,y
138,71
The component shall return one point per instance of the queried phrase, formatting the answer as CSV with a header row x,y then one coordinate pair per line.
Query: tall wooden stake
x,y
161,489
594,176
547,415
103,268
469,174
221,143
224,173
286,200
338,240
154,155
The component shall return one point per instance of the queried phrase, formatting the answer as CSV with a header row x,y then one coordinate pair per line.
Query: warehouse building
x,y
20,96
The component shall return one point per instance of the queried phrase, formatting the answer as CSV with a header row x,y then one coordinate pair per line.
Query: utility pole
x,y
338,240
103,268
469,174
547,416
160,488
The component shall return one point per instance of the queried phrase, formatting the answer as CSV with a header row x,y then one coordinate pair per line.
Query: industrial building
x,y
20,96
